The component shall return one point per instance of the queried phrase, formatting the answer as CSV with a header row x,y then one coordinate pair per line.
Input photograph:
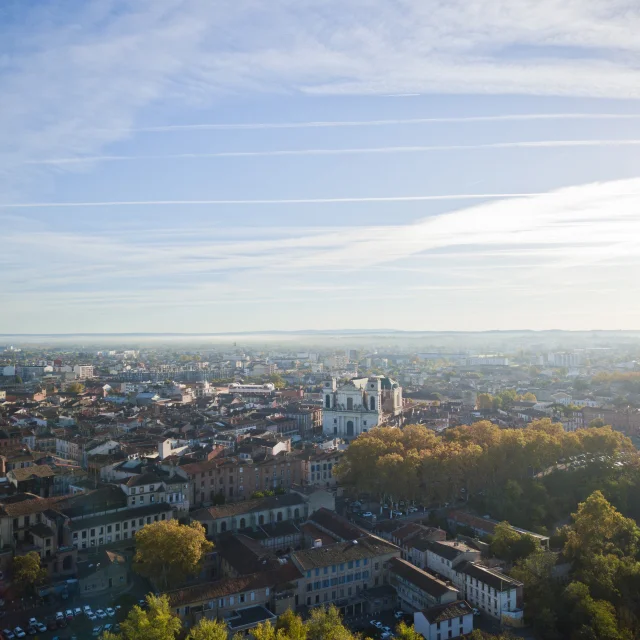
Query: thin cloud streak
x,y
330,152
148,203
372,123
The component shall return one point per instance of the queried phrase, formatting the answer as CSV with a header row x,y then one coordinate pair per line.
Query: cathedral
x,y
358,405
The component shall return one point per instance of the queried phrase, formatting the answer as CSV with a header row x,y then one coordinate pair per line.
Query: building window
x,y
349,404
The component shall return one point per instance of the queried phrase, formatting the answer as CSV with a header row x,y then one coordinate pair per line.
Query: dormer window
x,y
133,491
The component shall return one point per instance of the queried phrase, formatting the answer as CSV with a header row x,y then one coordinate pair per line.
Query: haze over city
x,y
219,167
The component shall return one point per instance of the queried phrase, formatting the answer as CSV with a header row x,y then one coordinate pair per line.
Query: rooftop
x,y
368,547
443,612
419,578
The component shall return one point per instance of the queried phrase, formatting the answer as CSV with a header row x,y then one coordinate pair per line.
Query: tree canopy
x,y
155,623
27,572
415,463
168,552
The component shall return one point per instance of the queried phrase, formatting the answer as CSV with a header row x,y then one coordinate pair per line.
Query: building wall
x,y
441,631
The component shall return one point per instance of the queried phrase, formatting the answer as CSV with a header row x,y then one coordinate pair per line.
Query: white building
x,y
444,621
489,590
83,371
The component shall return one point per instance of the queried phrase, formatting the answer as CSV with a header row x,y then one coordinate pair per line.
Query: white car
x,y
19,632
8,634
375,623
32,622
412,509
398,614
59,615
92,616
110,612
96,631
86,608
42,628
367,514
77,612
101,614
386,629
108,627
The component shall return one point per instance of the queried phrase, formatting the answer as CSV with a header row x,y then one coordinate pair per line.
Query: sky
x,y
219,166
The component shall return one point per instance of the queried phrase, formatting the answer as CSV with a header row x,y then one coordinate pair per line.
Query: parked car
x,y
398,614
8,634
32,622
375,623
101,614
110,612
367,514
107,627
96,631
19,633
31,631
41,627
92,616
86,608
59,615
77,612
69,614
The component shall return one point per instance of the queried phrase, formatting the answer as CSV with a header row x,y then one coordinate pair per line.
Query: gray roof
x,y
120,516
369,547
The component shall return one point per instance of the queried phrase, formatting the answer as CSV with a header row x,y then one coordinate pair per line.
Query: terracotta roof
x,y
250,506
335,524
36,471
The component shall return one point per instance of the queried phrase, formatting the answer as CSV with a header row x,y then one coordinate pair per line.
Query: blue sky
x,y
247,166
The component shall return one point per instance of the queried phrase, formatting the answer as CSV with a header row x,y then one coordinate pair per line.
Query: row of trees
x,y
416,464
503,400
156,622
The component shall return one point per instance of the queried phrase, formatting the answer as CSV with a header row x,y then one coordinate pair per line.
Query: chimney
x,y
317,543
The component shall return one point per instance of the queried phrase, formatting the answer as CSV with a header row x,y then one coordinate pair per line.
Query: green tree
x,y
590,619
510,545
596,423
169,552
291,626
209,630
155,623
326,624
27,572
484,401
76,387
405,632
277,380
598,528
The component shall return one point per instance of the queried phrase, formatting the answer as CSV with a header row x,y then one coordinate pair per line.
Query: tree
x,y
27,572
598,528
510,545
19,380
529,397
590,619
596,423
291,626
76,387
405,632
156,623
209,630
278,381
484,401
169,552
326,624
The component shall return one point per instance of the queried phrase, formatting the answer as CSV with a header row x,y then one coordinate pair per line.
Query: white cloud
x,y
74,83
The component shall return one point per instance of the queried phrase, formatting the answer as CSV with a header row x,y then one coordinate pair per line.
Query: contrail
x,y
330,152
147,203
374,123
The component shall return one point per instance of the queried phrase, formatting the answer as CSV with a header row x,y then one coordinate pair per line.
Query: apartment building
x,y
444,556
342,572
416,589
254,513
489,590
317,468
451,620
237,479
95,531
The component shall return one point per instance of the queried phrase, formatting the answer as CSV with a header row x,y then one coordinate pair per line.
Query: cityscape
x,y
416,488
320,320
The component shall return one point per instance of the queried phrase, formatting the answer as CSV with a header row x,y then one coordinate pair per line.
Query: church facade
x,y
358,405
